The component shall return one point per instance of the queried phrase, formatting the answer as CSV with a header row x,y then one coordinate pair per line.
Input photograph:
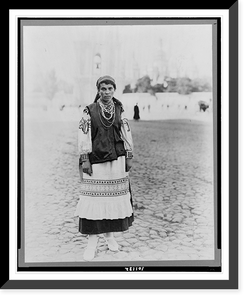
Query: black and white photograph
x,y
119,145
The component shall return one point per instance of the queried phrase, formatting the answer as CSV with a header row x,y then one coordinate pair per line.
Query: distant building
x,y
94,59
102,52
159,68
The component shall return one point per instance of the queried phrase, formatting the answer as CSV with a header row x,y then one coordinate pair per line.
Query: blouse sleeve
x,y
126,135
84,134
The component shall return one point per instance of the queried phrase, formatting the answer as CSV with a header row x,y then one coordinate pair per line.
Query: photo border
x,y
212,265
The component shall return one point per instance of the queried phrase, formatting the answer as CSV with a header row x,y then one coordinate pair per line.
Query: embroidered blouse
x,y
85,134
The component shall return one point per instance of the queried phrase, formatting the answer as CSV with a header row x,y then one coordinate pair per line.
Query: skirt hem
x,y
103,226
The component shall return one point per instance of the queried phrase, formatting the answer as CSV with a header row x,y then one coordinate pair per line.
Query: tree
x,y
181,85
50,85
143,84
184,85
64,86
127,89
201,85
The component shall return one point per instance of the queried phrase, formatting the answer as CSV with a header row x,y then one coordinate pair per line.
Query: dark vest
x,y
107,144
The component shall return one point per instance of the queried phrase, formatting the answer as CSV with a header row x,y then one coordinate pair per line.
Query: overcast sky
x,y
186,46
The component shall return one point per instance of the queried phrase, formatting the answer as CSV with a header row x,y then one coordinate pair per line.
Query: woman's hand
x,y
87,167
128,164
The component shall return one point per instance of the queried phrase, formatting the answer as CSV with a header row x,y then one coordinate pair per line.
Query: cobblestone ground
x,y
172,190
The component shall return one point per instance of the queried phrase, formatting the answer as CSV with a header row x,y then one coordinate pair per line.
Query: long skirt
x,y
105,203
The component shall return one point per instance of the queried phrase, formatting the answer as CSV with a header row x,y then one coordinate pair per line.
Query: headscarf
x,y
102,79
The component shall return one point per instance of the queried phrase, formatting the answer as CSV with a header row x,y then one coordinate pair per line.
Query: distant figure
x,y
203,105
149,107
136,113
62,107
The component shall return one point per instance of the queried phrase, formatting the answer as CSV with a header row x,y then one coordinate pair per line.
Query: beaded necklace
x,y
107,113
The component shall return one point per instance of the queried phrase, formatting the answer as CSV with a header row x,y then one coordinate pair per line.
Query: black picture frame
x,y
232,282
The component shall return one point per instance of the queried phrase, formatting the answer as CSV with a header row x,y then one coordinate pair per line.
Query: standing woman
x,y
106,151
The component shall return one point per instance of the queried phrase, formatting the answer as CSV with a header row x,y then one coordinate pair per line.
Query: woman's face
x,y
106,91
